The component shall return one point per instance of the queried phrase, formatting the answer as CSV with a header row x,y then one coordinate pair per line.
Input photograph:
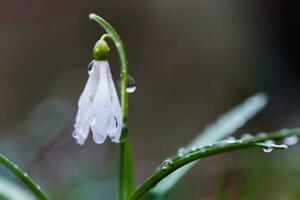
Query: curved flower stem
x,y
34,187
126,177
177,162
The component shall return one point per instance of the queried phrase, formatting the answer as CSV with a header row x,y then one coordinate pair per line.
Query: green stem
x,y
126,175
34,187
178,162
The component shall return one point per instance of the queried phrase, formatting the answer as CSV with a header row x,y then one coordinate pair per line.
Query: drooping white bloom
x,y
99,109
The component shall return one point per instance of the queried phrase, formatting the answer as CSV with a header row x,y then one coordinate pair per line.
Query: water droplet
x,y
38,187
98,139
291,140
246,136
212,144
74,134
16,166
131,85
182,152
166,163
195,148
284,130
262,134
90,66
202,149
230,140
268,148
25,174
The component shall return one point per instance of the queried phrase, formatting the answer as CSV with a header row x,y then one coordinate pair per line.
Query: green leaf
x,y
226,125
12,191
34,187
176,162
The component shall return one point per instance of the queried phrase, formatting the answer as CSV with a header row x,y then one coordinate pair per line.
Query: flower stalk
x,y
126,175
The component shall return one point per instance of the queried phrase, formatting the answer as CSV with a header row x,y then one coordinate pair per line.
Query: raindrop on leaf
x,y
166,163
182,152
291,140
230,140
268,146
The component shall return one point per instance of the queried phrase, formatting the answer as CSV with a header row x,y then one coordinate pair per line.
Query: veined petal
x,y
101,110
115,126
83,116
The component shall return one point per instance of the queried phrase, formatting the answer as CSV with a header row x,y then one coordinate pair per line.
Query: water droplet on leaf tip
x,y
131,85
291,140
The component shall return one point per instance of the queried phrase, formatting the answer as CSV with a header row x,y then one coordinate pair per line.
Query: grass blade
x,y
226,125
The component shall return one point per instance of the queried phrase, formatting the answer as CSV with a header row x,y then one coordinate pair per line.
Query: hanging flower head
x,y
99,109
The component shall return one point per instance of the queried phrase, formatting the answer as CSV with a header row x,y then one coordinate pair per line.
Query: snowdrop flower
x,y
99,109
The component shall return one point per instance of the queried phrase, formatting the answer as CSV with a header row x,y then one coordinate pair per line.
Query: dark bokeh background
x,y
192,61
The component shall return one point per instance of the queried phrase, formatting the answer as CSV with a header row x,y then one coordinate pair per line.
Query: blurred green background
x,y
192,61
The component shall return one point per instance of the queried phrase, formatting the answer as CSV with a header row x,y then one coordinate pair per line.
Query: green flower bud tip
x,y
101,50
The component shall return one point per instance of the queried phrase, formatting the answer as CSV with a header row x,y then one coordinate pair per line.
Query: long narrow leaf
x,y
226,125
178,161
32,185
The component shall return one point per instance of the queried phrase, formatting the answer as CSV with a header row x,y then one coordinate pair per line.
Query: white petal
x,y
83,116
101,105
115,133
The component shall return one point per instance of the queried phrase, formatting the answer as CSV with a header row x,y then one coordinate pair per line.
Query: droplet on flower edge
x,y
131,85
90,66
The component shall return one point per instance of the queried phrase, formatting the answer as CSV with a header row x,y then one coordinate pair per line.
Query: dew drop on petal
x,y
98,139
131,85
74,134
182,152
166,163
291,140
